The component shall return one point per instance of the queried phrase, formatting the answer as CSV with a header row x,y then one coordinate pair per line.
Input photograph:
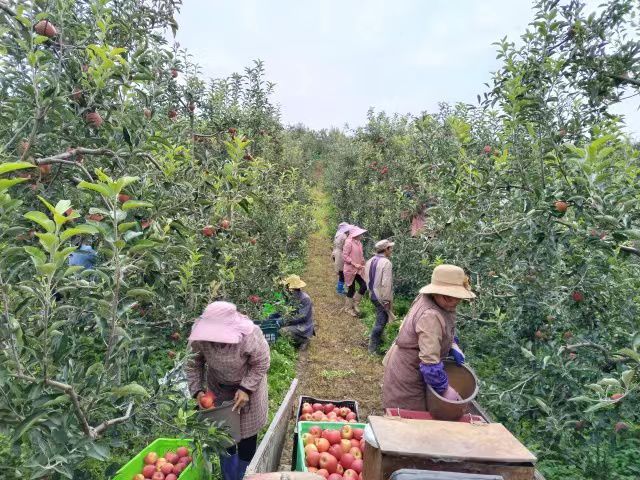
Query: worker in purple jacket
x,y
425,339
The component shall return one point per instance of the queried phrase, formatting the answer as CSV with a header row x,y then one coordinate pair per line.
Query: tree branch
x,y
632,250
625,79
114,421
65,157
151,159
69,390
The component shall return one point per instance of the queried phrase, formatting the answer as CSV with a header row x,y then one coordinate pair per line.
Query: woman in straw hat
x,y
299,326
425,338
353,257
336,254
231,358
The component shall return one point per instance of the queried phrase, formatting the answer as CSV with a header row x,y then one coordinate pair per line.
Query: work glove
x,y
456,353
451,394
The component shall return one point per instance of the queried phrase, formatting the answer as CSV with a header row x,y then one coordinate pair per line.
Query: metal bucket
x,y
223,415
464,380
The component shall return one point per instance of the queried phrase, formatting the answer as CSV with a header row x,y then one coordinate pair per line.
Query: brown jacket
x,y
425,336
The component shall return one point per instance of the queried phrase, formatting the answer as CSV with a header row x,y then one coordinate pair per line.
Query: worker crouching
x,y
298,326
426,337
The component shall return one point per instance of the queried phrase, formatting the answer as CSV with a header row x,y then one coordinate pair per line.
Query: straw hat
x,y
449,280
221,323
294,281
356,231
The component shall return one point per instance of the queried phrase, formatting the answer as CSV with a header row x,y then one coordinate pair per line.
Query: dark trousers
x,y
246,448
352,288
292,333
382,318
341,276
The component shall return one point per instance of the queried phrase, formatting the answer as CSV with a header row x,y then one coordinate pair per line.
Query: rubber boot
x,y
356,303
349,307
242,468
229,465
340,288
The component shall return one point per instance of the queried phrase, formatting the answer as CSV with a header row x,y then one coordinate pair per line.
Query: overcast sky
x,y
332,60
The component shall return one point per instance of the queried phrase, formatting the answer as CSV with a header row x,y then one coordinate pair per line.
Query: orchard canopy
x,y
193,189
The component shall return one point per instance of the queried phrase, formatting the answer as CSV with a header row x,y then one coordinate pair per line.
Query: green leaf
x,y
123,227
581,398
596,388
97,187
13,166
72,270
599,406
527,353
609,382
131,204
632,354
6,183
37,256
59,400
133,389
140,293
142,245
79,230
627,378
42,220
27,424
47,268
124,182
543,405
49,241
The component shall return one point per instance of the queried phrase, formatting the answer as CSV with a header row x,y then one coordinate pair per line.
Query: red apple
x,y
346,460
123,197
177,469
158,476
186,460
332,435
167,468
310,448
312,459
307,438
561,206
225,224
577,296
332,414
172,114
315,431
306,408
318,407
350,416
317,416
147,113
328,408
139,476
255,299
350,475
344,411
355,451
347,432
336,451
148,470
46,28
357,465
94,119
182,451
335,476
306,417
151,458
322,444
323,473
362,444
312,469
328,462
160,463
358,433
355,443
339,469
617,396
208,399
171,476
346,445
208,231
174,72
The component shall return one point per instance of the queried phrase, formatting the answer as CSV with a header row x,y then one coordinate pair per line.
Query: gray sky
x,y
332,60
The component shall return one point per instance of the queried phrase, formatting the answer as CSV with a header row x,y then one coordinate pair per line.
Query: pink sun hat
x,y
355,231
221,323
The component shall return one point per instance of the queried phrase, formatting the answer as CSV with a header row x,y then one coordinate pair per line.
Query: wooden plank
x,y
267,456
449,441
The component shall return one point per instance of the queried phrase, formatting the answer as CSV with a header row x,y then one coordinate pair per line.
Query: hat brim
x,y
207,332
357,231
300,284
456,291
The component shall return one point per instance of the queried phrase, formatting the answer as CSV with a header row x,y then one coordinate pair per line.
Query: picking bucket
x,y
464,380
222,414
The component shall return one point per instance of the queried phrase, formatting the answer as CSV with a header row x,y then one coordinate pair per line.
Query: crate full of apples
x,y
330,449
326,412
163,459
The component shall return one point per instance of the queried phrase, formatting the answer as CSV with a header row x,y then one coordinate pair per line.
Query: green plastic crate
x,y
303,427
194,471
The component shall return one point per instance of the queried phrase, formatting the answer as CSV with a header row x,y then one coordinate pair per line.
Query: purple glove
x,y
451,394
456,353
435,376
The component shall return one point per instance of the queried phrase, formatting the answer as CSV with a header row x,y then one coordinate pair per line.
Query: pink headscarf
x,y
221,323
356,231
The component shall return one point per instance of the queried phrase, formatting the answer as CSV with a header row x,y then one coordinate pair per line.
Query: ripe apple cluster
x,y
335,454
328,412
168,467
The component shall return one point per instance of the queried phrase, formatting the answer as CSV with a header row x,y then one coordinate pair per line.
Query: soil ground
x,y
336,365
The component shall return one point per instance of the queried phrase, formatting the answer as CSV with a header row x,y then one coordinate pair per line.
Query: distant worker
x,y
336,255
299,327
85,256
231,358
353,257
425,338
379,275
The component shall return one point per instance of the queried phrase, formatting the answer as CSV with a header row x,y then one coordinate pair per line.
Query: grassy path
x,y
336,365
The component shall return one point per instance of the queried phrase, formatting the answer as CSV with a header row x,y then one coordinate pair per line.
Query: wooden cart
x,y
269,453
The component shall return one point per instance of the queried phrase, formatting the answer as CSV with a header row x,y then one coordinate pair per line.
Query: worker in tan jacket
x,y
379,277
